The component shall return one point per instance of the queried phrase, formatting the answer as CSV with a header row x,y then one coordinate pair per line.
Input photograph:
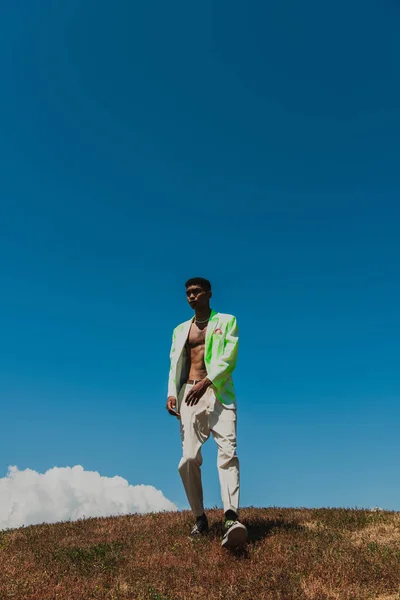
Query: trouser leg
x,y
223,429
194,432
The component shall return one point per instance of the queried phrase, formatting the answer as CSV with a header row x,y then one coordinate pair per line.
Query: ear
x,y
210,294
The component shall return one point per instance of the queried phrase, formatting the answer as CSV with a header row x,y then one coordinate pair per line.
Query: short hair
x,y
204,283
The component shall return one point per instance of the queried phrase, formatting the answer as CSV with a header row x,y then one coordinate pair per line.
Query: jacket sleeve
x,y
224,365
172,369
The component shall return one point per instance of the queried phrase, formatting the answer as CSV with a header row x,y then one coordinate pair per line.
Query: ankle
x,y
202,517
230,515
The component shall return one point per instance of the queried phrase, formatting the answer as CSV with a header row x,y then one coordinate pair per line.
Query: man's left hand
x,y
197,392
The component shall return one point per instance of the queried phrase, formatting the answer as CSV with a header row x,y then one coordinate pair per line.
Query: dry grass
x,y
292,554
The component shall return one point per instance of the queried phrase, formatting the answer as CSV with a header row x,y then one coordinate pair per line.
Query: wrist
x,y
207,382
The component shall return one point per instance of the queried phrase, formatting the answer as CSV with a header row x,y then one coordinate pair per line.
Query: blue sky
x,y
258,146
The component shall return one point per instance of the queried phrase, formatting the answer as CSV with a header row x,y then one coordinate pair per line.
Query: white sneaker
x,y
235,535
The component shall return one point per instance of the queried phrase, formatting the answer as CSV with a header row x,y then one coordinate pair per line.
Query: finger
x,y
192,394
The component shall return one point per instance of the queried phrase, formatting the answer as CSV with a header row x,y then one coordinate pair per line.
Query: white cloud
x,y
65,493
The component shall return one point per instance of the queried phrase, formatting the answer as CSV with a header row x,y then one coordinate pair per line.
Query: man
x,y
202,396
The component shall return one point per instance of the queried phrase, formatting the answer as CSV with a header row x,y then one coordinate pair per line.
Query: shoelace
x,y
229,523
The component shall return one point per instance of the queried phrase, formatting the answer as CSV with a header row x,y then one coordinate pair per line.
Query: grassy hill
x,y
292,554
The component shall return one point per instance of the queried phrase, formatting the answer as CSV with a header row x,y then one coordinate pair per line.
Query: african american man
x,y
201,395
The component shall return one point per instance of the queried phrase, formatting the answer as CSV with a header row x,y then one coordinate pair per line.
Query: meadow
x,y
291,554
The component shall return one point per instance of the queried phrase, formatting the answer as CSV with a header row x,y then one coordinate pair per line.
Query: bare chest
x,y
196,337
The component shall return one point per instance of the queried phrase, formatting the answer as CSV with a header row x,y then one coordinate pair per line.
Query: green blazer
x,y
221,346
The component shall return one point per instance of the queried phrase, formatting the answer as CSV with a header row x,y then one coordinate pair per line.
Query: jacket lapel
x,y
212,323
181,339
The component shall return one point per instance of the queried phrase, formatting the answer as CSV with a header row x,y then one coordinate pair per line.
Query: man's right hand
x,y
171,407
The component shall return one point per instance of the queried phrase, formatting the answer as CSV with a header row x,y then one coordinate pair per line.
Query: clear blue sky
x,y
258,146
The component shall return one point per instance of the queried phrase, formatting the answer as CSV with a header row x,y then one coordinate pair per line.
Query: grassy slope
x,y
293,554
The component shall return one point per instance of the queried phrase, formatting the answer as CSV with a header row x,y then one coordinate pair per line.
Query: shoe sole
x,y
195,538
235,536
199,535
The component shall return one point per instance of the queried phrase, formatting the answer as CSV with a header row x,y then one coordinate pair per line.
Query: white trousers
x,y
196,423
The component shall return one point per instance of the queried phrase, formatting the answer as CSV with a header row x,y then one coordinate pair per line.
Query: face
x,y
197,296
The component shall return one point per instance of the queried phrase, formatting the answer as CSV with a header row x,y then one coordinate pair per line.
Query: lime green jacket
x,y
220,354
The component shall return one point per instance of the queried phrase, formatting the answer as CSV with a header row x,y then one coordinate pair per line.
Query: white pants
x,y
196,423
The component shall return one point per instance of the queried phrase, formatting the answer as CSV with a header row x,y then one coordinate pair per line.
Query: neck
x,y
203,313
